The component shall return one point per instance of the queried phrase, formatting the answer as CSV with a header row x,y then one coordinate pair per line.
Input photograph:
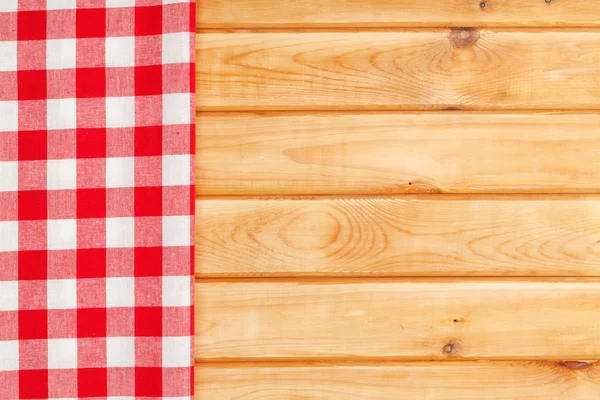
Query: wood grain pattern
x,y
395,13
403,236
411,319
381,153
401,381
406,70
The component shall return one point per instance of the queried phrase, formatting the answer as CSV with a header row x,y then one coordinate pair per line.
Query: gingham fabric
x,y
96,199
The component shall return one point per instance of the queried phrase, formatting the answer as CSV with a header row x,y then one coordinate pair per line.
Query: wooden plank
x,y
399,236
402,381
395,13
398,319
403,70
382,153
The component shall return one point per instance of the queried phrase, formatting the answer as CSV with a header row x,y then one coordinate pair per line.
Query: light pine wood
x,y
401,381
399,236
403,70
411,319
394,13
381,153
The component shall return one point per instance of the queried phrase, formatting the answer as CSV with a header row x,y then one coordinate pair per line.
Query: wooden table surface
x,y
398,199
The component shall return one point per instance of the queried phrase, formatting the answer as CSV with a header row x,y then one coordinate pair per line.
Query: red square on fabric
x,y
177,382
121,382
91,233
148,50
177,200
8,28
9,328
28,56
9,384
148,201
33,324
31,25
62,383
8,90
61,24
148,261
32,205
148,20
62,204
91,113
32,175
120,81
62,264
91,263
29,115
91,22
148,231
32,295
91,173
148,382
176,78
91,82
147,171
91,203
32,85
182,315
8,211
9,259
91,322
33,235
38,387
91,353
33,354
61,83
91,143
91,52
148,321
119,262
91,293
148,80
91,382
120,22
148,291
62,324
148,141
148,351
119,202
120,321
33,265
32,145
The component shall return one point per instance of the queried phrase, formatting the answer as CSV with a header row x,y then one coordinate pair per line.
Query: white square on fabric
x,y
60,53
120,112
61,4
62,353
176,291
9,5
9,176
120,292
119,232
120,352
119,3
9,114
9,355
176,230
62,174
8,55
176,351
62,234
120,51
119,172
62,294
62,113
176,108
9,237
176,170
9,296
176,48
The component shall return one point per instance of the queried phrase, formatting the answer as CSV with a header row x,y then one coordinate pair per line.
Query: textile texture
x,y
96,199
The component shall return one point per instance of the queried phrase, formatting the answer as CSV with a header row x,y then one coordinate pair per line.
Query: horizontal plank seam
x,y
351,28
512,196
369,363
393,359
397,279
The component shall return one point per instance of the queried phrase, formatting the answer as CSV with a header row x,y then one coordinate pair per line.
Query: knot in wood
x,y
463,37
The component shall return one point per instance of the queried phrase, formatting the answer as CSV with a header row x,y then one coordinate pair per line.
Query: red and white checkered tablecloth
x,y
96,199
